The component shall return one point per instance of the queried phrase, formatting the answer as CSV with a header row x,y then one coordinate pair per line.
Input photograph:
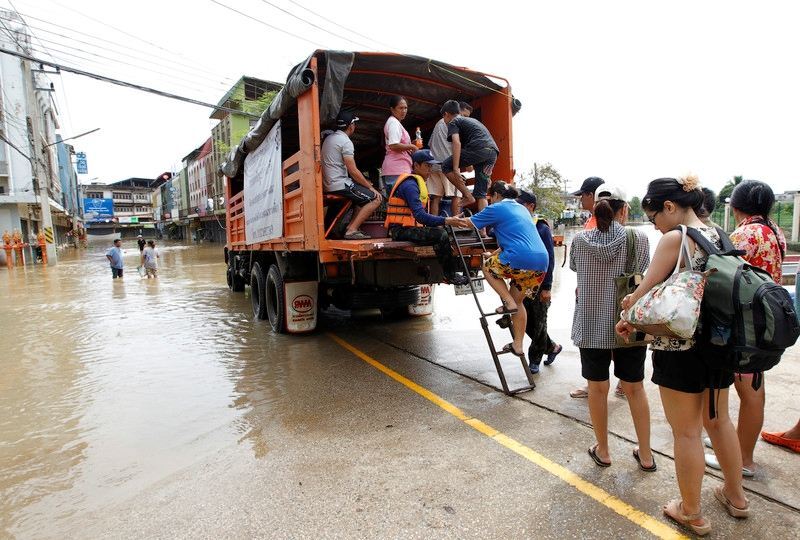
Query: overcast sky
x,y
629,91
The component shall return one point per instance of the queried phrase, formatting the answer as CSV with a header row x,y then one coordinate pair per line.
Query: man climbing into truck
x,y
408,219
341,176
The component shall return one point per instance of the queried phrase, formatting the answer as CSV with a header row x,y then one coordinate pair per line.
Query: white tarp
x,y
263,190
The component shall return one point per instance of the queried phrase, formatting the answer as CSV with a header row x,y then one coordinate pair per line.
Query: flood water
x,y
109,385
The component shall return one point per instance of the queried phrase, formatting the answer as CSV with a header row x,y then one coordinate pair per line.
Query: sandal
x,y
778,439
674,510
596,458
551,356
509,348
505,310
579,393
651,468
356,235
733,511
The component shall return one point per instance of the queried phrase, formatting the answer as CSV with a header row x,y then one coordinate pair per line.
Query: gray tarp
x,y
426,83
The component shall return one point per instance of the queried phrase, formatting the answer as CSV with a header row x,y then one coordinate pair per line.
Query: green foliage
x,y
260,105
636,211
546,183
726,191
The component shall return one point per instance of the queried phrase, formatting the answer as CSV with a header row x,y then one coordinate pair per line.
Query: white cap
x,y
609,192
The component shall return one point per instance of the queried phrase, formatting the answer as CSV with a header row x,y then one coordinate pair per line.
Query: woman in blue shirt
x,y
521,257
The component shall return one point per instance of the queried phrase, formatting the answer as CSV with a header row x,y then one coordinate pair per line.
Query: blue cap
x,y
424,156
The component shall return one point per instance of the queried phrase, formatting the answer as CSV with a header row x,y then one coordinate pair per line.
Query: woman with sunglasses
x,y
683,378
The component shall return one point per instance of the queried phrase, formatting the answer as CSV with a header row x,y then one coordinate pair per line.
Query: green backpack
x,y
747,320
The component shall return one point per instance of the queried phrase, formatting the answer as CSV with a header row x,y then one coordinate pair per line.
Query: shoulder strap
x,y
630,241
397,182
727,245
703,242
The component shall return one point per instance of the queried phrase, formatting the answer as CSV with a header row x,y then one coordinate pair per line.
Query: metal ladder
x,y
473,239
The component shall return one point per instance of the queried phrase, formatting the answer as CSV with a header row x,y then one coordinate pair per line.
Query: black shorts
x,y
356,193
483,159
628,363
685,371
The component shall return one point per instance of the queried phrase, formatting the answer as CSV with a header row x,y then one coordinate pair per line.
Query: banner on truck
x,y
263,190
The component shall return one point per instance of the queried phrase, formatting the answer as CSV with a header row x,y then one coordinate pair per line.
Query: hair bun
x,y
689,181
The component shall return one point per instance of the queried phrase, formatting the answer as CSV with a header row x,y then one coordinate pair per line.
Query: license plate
x,y
464,289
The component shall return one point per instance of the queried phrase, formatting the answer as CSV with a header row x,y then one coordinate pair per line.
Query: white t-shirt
x,y
150,257
334,171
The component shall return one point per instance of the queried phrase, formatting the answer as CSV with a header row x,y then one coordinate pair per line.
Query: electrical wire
x,y
126,84
267,24
389,47
315,25
50,32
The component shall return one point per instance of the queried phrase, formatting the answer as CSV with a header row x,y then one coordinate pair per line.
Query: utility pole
x,y
36,169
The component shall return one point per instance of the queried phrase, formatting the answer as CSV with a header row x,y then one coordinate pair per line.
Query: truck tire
x,y
275,296
257,292
235,282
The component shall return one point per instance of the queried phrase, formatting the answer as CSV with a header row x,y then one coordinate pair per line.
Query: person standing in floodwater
x,y
114,256
150,259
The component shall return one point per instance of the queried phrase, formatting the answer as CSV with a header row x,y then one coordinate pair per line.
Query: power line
x,y
194,73
123,83
268,25
389,47
215,75
315,25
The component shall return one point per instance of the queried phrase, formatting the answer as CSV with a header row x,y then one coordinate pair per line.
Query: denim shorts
x,y
483,159
356,193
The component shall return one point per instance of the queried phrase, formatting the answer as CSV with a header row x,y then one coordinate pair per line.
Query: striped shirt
x,y
599,257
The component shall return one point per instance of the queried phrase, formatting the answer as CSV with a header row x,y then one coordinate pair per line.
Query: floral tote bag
x,y
671,309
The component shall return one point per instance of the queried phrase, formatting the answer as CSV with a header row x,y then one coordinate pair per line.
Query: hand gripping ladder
x,y
467,238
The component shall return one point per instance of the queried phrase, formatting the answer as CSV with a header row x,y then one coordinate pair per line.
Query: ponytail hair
x,y
604,212
503,189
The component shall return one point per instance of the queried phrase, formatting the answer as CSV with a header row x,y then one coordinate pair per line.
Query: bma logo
x,y
302,303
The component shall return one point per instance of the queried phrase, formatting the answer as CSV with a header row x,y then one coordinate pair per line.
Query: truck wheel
x,y
235,282
257,292
276,300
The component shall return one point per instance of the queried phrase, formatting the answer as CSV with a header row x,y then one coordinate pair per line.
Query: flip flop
x,y
579,393
674,510
596,458
778,439
651,468
509,348
551,356
505,311
357,235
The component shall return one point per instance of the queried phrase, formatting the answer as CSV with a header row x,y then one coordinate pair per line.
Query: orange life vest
x,y
397,211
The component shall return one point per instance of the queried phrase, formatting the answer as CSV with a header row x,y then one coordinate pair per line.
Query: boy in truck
x,y
407,210
341,176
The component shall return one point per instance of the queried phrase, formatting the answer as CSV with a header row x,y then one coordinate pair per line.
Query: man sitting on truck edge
x,y
407,210
341,176
472,145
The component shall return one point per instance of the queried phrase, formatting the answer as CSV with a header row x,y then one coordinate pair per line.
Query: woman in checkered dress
x,y
599,256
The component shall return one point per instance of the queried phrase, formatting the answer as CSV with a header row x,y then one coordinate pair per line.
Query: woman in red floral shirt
x,y
764,246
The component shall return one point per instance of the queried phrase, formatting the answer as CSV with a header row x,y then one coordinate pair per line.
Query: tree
x,y
727,189
544,181
636,207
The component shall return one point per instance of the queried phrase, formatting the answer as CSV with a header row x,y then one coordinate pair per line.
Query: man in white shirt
x,y
341,176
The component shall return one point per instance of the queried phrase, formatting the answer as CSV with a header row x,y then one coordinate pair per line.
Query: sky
x,y
626,90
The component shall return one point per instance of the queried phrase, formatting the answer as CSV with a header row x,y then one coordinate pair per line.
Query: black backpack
x,y
747,320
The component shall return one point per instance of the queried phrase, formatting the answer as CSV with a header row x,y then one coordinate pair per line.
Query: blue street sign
x,y
81,163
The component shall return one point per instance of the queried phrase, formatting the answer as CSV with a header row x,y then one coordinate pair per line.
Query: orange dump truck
x,y
282,236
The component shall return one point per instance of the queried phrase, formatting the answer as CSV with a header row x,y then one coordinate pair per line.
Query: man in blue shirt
x,y
406,211
114,256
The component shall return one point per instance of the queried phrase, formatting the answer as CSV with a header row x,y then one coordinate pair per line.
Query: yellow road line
x,y
597,493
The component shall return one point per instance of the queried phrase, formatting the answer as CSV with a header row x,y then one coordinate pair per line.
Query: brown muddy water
x,y
111,385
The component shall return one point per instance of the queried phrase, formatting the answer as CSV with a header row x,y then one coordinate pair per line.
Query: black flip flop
x,y
509,348
504,310
597,460
651,468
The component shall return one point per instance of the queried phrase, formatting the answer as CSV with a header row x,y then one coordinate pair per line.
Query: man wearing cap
x,y
536,326
341,176
586,194
408,219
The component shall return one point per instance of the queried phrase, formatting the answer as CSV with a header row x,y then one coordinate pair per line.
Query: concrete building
x,y
28,124
123,209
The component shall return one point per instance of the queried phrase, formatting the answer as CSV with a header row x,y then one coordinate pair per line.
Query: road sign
x,y
81,163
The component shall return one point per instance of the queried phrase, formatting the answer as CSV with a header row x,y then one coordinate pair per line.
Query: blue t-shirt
x,y
521,245
116,257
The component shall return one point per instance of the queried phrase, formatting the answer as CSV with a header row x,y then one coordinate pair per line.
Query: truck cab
x,y
282,229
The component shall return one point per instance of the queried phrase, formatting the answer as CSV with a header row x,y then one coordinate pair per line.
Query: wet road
x,y
159,408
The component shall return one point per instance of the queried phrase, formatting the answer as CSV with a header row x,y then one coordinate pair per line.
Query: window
x,y
118,195
94,195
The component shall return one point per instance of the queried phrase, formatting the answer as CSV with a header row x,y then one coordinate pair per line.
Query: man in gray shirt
x,y
341,176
